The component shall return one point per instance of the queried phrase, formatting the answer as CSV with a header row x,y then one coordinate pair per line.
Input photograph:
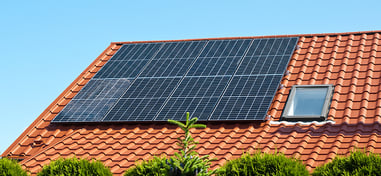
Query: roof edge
x,y
251,37
54,103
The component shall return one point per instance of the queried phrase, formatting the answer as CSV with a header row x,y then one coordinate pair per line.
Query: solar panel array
x,y
212,79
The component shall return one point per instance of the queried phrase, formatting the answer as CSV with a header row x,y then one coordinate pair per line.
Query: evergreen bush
x,y
263,164
10,167
356,164
74,166
155,167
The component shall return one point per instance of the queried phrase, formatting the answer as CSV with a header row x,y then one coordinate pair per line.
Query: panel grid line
x,y
231,79
222,51
130,85
273,93
223,92
273,46
173,91
189,48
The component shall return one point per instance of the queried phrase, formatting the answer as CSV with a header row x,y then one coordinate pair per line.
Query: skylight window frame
x,y
291,99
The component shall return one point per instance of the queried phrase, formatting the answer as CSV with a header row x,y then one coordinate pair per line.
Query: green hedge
x,y
155,167
10,167
357,163
74,166
263,164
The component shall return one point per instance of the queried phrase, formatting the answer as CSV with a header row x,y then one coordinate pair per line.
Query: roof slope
x,y
350,61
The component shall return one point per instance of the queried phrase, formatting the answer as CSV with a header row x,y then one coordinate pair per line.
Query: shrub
x,y
10,167
186,162
357,163
74,166
263,164
155,167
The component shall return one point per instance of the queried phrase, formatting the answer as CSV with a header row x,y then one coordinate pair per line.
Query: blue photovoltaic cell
x,y
212,79
225,48
252,88
93,101
214,66
176,108
91,110
141,51
197,95
122,69
143,100
262,65
201,87
242,108
100,88
174,59
167,67
135,109
151,88
262,85
255,92
181,50
204,83
220,57
129,61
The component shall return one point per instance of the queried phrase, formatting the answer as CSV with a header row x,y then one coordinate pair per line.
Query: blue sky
x,y
45,45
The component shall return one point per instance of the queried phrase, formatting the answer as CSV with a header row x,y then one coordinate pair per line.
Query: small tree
x,y
263,164
357,163
74,166
10,167
186,162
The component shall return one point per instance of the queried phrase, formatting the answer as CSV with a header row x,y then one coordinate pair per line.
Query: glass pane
x,y
308,102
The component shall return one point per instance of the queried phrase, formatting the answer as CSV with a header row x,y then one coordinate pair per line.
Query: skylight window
x,y
308,102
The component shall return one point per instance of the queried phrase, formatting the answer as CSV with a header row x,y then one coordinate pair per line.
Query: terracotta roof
x,y
350,61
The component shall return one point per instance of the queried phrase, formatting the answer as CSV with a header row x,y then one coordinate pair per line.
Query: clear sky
x,y
45,45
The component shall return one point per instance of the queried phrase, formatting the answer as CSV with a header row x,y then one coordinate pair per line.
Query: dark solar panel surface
x,y
93,101
252,88
213,80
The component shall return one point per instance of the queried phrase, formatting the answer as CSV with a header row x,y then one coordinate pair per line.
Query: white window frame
x,y
325,109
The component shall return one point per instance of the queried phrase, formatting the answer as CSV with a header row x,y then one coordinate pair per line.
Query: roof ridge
x,y
252,37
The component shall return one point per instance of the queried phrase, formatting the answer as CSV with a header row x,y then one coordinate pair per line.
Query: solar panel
x,y
93,101
197,95
202,86
178,106
129,61
252,88
153,87
142,100
212,79
135,109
